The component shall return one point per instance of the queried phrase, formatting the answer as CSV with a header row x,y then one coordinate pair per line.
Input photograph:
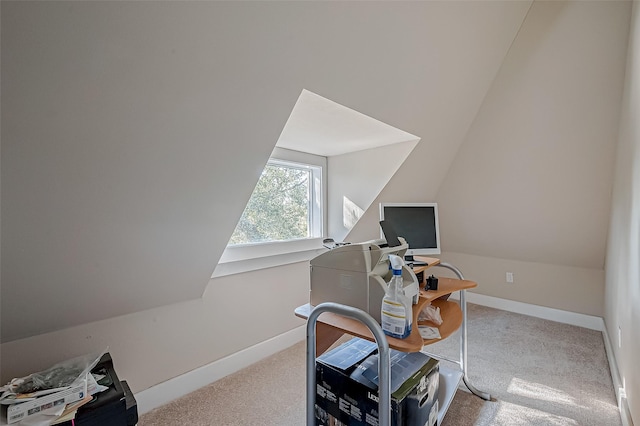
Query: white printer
x,y
357,275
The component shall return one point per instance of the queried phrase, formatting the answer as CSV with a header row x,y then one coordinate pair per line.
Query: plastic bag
x,y
430,313
61,375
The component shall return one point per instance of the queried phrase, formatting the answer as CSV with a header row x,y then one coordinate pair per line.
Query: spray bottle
x,y
396,312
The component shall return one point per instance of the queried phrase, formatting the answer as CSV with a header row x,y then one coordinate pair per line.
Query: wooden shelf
x,y
430,262
447,286
451,320
335,325
341,325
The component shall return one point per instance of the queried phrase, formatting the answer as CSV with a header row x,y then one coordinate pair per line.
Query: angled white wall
x,y
123,127
622,296
356,179
530,188
133,134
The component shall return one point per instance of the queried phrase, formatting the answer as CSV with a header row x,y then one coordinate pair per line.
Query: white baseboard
x,y
625,414
165,392
179,386
582,320
618,385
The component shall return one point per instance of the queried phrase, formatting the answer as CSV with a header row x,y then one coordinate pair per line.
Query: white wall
x,y
152,346
529,190
567,288
133,134
122,124
622,296
355,180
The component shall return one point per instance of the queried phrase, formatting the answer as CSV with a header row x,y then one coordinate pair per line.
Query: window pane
x,y
279,207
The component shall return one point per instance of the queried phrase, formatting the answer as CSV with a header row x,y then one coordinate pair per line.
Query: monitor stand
x,y
408,259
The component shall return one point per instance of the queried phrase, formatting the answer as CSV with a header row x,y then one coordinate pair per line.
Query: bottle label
x,y
394,319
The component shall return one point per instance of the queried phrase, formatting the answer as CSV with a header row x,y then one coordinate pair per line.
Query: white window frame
x,y
240,258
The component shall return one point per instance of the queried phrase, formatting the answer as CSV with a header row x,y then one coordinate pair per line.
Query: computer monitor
x,y
417,223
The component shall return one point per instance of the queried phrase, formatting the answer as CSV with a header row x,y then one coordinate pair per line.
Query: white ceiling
x,y
320,126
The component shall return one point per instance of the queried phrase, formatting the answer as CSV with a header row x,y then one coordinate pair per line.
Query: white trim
x,y
280,259
165,392
618,386
240,258
625,413
582,320
241,253
613,365
193,380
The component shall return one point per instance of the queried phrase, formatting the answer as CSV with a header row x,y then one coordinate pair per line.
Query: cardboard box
x,y
347,387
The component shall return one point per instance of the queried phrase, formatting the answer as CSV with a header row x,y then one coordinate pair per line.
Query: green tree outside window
x,y
278,209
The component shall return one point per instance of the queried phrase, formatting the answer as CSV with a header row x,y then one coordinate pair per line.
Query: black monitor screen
x,y
416,223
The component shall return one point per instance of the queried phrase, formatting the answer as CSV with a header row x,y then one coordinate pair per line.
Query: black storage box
x,y
115,406
347,393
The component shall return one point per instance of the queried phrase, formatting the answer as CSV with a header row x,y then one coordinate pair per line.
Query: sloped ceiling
x,y
320,126
133,132
532,180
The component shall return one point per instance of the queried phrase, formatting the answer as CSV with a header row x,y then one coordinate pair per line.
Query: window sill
x,y
236,260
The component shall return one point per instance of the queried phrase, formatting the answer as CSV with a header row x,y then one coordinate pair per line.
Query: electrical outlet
x,y
510,277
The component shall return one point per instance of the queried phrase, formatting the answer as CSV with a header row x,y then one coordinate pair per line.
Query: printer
x,y
357,275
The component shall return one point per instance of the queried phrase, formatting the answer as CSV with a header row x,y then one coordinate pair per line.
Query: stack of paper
x,y
51,396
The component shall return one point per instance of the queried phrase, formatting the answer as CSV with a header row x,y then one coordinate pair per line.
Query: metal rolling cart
x,y
452,377
346,319
384,367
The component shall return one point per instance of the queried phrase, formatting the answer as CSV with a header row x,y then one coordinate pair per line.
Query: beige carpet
x,y
538,372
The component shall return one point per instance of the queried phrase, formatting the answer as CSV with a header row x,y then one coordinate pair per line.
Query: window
x,y
285,217
285,205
